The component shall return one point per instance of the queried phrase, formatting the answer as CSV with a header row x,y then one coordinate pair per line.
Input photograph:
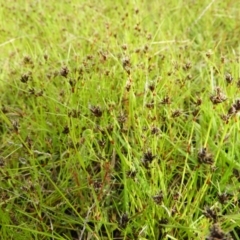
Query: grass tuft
x,y
119,120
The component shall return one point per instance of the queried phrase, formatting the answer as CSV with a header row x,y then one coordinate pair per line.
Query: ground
x,y
119,119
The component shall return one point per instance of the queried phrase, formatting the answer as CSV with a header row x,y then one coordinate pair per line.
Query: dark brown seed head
x,y
150,105
110,128
74,113
45,56
223,197
232,110
148,157
27,60
96,111
198,102
219,97
124,47
155,130
195,112
128,85
97,185
2,161
126,62
89,57
64,71
211,214
228,78
208,53
122,118
223,59
236,173
225,117
236,105
4,109
15,125
151,87
124,220
72,82
65,130
187,66
26,77
166,100
163,221
31,91
158,198
176,113
217,233
204,156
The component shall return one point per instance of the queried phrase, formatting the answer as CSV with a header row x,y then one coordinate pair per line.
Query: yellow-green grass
x,y
119,119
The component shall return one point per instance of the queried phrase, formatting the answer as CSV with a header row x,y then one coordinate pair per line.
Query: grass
x,y
119,119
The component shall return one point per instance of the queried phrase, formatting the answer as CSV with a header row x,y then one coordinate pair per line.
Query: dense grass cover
x,y
119,119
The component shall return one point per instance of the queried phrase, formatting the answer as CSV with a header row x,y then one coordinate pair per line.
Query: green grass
x,y
119,119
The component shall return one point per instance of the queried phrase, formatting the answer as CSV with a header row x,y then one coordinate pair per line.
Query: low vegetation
x,y
119,119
